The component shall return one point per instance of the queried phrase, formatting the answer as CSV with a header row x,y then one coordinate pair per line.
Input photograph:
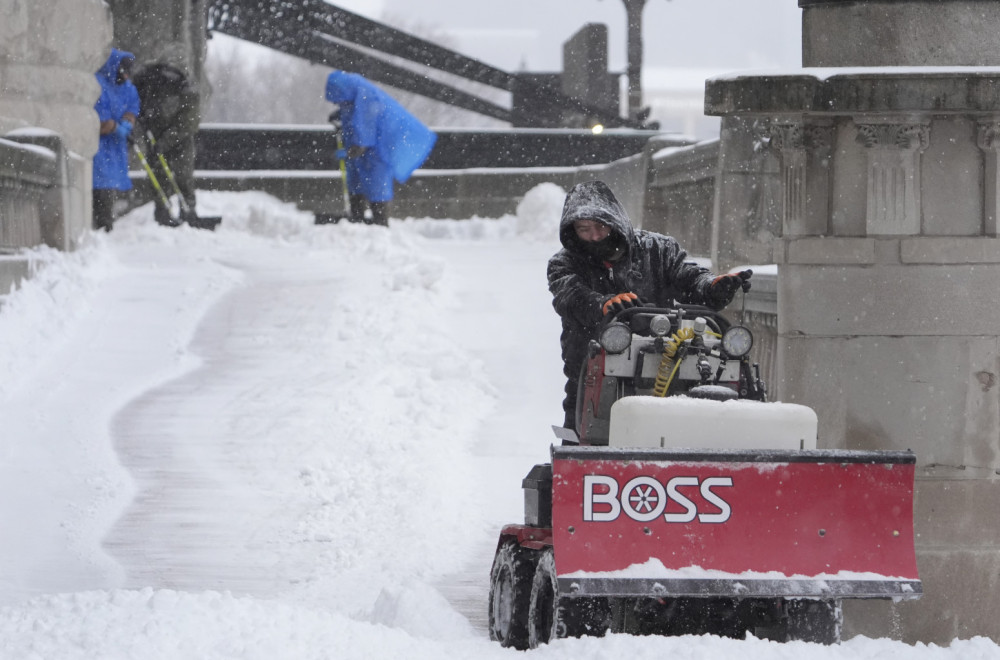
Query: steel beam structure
x,y
326,34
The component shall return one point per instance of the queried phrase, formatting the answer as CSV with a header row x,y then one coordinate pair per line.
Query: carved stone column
x,y
893,148
988,140
804,149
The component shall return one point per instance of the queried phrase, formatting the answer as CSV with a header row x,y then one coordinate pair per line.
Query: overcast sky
x,y
515,34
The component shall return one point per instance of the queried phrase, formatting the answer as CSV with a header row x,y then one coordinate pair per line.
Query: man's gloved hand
x,y
724,287
621,302
350,152
123,129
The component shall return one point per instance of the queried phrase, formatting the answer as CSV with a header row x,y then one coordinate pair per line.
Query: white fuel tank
x,y
682,422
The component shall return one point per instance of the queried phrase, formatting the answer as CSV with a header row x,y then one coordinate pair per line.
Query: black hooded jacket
x,y
653,267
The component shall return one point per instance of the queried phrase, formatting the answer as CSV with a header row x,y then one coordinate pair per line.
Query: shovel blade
x,y
209,222
330,218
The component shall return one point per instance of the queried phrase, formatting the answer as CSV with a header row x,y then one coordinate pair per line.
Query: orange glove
x,y
620,303
724,287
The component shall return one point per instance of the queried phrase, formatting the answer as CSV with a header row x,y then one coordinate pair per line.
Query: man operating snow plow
x,y
687,504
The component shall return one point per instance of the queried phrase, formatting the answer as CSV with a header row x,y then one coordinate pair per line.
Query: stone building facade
x,y
49,51
888,260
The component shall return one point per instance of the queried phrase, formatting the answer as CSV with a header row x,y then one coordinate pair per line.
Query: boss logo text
x,y
644,499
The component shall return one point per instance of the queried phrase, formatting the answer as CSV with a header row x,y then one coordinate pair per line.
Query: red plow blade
x,y
812,523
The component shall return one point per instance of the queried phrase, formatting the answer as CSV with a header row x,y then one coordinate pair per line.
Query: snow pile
x,y
536,219
421,612
539,212
171,625
41,314
473,229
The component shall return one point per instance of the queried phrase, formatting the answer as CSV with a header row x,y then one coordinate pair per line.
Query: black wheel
x,y
551,616
510,591
817,621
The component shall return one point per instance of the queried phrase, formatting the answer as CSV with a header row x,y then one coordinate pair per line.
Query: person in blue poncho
x,y
117,109
383,143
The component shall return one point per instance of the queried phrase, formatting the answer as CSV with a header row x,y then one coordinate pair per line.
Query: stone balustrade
x,y
26,174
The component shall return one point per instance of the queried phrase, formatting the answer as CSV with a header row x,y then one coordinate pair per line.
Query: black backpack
x,y
157,83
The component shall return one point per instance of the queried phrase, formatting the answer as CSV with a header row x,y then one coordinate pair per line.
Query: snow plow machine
x,y
688,504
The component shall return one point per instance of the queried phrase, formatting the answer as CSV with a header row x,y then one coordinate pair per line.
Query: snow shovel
x,y
334,218
188,214
172,221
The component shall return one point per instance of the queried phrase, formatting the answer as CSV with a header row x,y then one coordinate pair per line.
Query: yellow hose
x,y
667,369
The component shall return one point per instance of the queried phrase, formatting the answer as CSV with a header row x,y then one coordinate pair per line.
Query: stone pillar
x,y
585,72
900,33
889,263
47,87
169,31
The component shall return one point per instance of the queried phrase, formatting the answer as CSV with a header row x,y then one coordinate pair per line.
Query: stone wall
x,y
680,194
888,205
166,31
49,51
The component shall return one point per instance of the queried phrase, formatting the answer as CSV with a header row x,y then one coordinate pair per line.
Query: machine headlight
x,y
737,341
616,338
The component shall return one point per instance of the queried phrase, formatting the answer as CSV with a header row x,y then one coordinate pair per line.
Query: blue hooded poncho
x,y
111,159
397,143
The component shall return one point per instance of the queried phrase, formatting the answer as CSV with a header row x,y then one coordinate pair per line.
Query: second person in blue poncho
x,y
383,143
117,108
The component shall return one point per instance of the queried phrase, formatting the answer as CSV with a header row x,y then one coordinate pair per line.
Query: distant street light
x,y
633,13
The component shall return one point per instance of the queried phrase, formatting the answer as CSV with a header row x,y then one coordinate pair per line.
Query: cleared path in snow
x,y
256,465
205,516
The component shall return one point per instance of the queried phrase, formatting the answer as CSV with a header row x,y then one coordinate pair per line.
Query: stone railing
x,y
482,173
26,174
44,199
